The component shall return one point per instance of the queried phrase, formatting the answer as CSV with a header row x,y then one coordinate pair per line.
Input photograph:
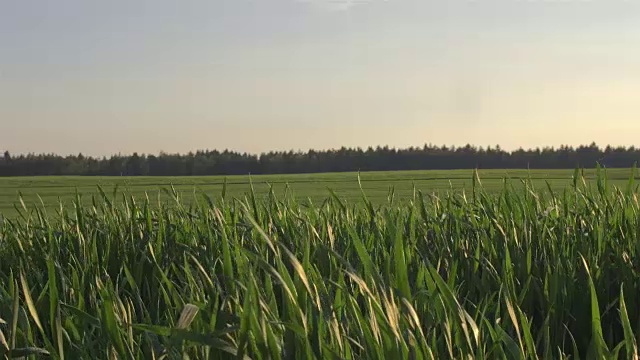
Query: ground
x,y
53,190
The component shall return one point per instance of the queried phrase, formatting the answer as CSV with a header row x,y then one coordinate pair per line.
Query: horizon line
x,y
363,148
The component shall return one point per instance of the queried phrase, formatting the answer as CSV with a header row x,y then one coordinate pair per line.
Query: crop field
x,y
51,191
543,265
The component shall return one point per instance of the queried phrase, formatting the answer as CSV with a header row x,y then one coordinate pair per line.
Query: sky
x,y
122,76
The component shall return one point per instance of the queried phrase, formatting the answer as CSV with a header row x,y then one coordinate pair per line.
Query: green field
x,y
53,190
522,272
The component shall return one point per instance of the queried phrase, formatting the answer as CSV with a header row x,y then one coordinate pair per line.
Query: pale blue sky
x,y
102,77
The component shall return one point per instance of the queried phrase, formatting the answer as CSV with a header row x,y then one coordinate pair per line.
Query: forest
x,y
381,158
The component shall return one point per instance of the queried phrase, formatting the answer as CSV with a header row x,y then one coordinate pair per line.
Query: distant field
x,y
53,190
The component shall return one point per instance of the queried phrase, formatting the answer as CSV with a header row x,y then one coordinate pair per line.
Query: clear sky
x,y
102,77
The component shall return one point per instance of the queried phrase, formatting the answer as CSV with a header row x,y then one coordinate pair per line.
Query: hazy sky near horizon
x,y
102,77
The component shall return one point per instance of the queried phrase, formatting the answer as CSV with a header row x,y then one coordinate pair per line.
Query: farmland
x,y
526,270
55,190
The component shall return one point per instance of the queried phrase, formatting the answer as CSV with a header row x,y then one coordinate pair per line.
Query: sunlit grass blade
x,y
629,338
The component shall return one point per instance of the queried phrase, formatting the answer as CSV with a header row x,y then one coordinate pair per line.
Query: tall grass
x,y
526,274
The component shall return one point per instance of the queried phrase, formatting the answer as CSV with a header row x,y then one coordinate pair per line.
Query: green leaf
x,y
54,309
599,345
110,324
629,339
30,305
402,276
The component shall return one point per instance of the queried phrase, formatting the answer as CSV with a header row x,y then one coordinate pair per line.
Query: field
x,y
526,270
55,190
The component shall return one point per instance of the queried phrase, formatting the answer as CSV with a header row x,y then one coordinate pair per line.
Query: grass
x,y
55,190
522,272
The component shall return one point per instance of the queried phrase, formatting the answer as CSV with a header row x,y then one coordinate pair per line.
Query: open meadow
x,y
546,267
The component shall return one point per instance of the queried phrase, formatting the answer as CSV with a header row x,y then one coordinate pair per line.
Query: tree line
x,y
337,160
